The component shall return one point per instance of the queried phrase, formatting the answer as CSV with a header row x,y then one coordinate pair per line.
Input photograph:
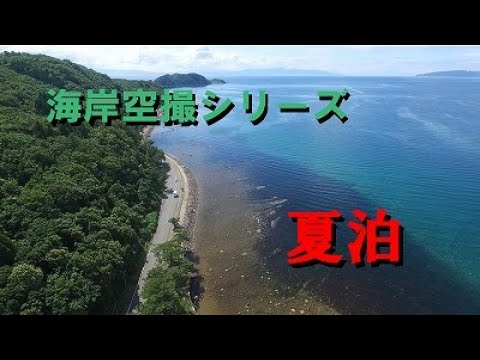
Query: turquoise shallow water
x,y
410,146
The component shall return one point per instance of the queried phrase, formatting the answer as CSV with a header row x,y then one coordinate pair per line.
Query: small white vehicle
x,y
175,194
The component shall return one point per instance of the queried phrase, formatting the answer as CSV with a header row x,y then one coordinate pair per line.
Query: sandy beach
x,y
190,198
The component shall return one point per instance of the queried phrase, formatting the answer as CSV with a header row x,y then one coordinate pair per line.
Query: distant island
x,y
217,81
453,73
185,80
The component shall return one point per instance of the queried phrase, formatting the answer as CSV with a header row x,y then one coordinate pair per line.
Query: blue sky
x,y
344,59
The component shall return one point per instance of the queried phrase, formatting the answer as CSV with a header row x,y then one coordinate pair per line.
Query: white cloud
x,y
345,59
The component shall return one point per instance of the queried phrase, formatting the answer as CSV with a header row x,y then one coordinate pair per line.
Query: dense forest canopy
x,y
78,204
65,74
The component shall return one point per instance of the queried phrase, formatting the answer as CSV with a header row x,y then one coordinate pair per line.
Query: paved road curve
x,y
170,208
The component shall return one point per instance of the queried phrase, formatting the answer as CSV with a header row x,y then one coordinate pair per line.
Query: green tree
x,y
7,250
175,221
166,289
70,294
77,203
162,295
23,286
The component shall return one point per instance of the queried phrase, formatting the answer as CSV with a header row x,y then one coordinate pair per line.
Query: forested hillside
x,y
77,204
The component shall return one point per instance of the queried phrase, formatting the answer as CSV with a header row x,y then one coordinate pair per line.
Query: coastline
x,y
187,212
147,132
252,288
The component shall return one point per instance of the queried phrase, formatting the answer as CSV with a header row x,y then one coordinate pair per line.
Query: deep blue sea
x,y
410,146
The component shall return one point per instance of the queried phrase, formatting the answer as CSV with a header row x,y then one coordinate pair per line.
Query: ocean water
x,y
410,146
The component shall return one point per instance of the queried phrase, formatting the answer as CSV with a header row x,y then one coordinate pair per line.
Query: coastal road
x,y
170,208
